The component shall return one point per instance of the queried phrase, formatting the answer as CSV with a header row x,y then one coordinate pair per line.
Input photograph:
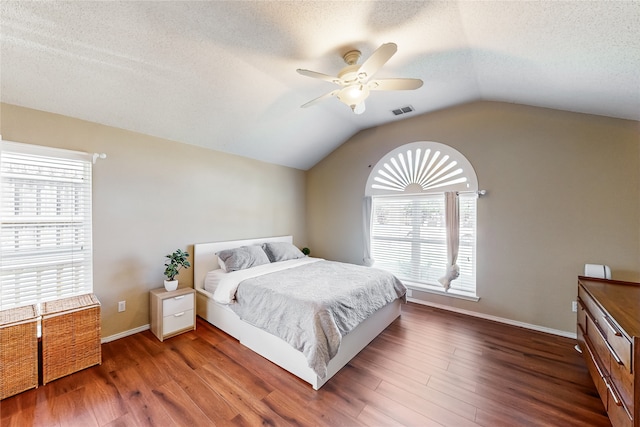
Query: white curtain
x,y
366,231
452,212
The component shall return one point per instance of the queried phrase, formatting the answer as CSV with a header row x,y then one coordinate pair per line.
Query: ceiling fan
x,y
355,79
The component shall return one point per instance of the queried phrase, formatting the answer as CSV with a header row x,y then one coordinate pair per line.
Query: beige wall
x,y
563,190
152,196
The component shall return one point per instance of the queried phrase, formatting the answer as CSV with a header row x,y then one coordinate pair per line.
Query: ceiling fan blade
x,y
377,60
320,98
395,84
316,75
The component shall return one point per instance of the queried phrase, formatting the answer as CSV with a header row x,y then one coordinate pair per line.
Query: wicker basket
x,y
70,336
18,350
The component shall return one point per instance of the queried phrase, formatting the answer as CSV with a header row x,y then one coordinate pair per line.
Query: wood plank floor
x,y
429,368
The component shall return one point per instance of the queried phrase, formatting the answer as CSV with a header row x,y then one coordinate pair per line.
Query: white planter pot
x,y
171,285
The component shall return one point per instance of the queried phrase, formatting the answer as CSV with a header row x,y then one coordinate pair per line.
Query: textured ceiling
x,y
222,74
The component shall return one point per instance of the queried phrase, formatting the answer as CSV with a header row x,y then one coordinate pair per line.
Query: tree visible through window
x,y
408,232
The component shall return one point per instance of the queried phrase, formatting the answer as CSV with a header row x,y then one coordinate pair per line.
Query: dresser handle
x,y
613,393
606,343
179,297
613,353
611,350
612,326
595,363
179,314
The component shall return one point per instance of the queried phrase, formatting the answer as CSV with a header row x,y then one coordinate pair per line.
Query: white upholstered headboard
x,y
205,259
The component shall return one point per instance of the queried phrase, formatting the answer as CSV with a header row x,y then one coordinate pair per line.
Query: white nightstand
x,y
172,312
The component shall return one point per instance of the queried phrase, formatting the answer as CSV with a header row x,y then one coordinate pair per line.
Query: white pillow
x,y
281,251
243,257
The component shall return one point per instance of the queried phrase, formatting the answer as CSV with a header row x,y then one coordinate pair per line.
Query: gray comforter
x,y
314,305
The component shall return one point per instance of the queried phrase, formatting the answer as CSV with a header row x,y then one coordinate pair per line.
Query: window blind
x,y
408,238
45,224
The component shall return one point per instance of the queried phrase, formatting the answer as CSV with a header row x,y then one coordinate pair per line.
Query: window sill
x,y
437,290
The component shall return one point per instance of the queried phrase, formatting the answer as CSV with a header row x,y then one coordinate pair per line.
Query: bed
x,y
273,348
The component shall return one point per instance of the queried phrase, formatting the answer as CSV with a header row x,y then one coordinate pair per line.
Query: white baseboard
x,y
124,334
497,319
417,301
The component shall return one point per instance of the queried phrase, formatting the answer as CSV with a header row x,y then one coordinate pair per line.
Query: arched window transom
x,y
422,167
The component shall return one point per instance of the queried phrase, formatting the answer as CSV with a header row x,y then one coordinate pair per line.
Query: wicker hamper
x,y
70,336
18,350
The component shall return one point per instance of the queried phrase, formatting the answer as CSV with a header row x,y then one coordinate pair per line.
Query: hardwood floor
x,y
429,368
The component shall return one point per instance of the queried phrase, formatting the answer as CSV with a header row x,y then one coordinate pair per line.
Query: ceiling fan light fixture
x,y
353,95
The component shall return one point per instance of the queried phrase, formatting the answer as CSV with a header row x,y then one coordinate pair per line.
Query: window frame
x,y
46,251
416,171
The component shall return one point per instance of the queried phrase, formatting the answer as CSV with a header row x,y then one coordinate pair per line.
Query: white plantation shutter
x,y
409,238
45,224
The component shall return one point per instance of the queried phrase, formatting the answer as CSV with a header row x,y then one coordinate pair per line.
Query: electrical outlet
x,y
122,306
574,306
409,293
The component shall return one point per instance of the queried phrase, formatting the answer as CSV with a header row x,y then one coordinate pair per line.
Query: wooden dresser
x,y
609,336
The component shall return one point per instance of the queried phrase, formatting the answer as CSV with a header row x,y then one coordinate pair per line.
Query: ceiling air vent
x,y
402,110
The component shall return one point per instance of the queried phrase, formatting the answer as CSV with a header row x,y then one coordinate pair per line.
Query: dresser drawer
x,y
596,372
598,316
177,304
618,413
623,381
619,346
613,398
598,346
177,321
581,332
582,315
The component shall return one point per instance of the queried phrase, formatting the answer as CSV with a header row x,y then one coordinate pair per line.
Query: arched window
x,y
409,233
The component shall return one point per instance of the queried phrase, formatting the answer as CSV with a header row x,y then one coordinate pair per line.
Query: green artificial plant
x,y
176,261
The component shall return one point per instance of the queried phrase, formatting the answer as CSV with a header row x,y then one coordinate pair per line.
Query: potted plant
x,y
175,262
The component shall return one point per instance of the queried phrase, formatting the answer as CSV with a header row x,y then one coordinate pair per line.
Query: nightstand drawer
x,y
177,304
172,312
177,321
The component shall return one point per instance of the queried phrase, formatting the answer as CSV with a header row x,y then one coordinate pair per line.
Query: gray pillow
x,y
281,251
243,257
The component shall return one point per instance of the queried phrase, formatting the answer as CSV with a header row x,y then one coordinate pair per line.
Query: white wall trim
x,y
124,334
417,301
497,319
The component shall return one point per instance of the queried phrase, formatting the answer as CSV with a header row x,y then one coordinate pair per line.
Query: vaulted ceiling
x,y
223,75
